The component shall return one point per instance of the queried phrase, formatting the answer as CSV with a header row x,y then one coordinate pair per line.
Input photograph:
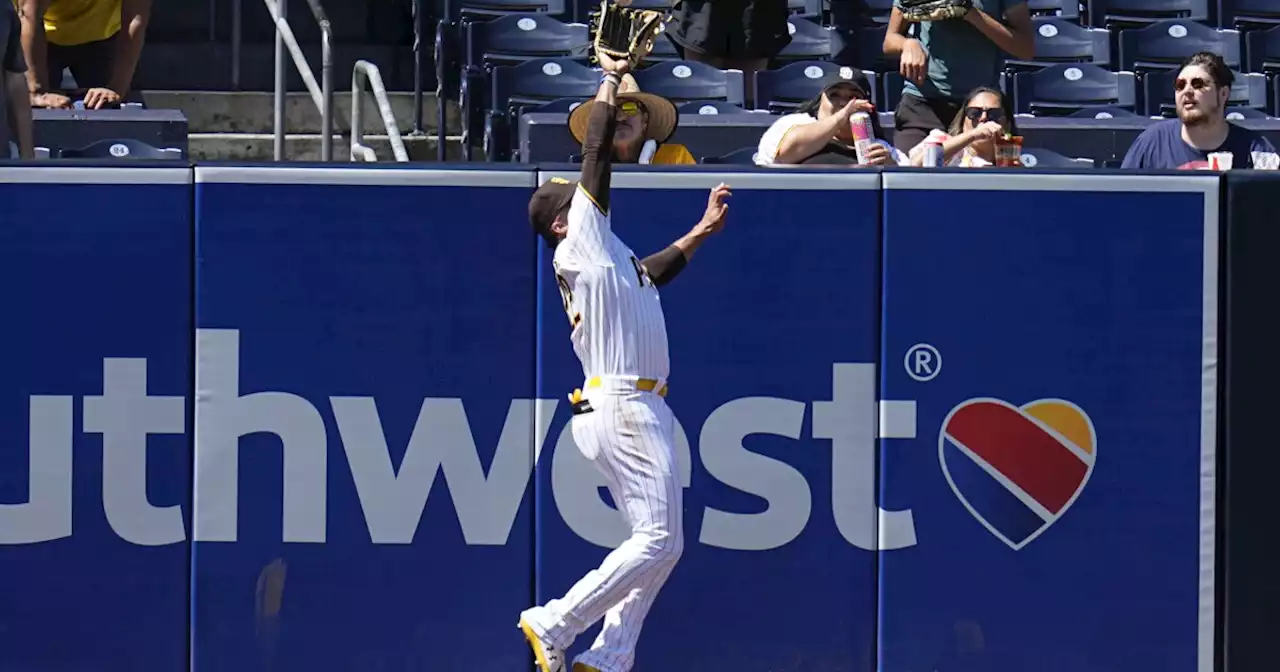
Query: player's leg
x,y
637,455
614,649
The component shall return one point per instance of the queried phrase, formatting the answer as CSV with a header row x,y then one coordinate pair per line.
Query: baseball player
x,y
621,420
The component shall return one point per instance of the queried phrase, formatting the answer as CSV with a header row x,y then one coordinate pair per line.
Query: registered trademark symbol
x,y
923,362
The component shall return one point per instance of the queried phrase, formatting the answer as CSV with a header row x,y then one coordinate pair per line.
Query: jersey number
x,y
642,273
566,296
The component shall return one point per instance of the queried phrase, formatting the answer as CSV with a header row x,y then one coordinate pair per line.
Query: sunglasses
x,y
975,114
630,108
1198,83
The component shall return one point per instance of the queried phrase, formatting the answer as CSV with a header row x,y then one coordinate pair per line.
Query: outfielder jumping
x,y
621,421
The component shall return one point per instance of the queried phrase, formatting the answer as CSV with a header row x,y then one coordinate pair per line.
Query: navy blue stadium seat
x,y
507,40
453,15
582,9
119,148
1061,41
681,81
1106,13
530,84
1061,9
710,107
1239,113
559,105
740,157
786,88
664,50
1103,112
862,48
1035,157
1262,50
1164,44
892,90
1061,89
809,42
1248,90
1247,13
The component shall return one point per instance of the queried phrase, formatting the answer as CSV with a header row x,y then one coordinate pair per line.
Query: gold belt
x,y
643,385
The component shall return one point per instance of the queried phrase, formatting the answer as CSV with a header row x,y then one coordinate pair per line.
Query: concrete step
x,y
306,147
254,112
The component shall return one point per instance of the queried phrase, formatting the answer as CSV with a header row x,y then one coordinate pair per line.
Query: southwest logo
x,y
1017,469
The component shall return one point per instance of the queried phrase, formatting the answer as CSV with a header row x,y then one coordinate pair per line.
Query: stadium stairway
x,y
239,125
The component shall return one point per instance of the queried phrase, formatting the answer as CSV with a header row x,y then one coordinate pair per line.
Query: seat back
x,y
1065,88
681,81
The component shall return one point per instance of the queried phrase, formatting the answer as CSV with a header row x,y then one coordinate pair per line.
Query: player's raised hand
x,y
717,209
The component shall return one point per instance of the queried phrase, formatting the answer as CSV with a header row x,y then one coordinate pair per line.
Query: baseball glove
x,y
625,33
915,11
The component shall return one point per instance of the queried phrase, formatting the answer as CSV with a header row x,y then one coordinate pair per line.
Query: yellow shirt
x,y
672,155
71,22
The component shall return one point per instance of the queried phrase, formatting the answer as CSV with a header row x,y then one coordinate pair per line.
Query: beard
x,y
1196,116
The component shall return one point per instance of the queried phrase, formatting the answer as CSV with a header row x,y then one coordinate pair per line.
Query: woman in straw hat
x,y
645,123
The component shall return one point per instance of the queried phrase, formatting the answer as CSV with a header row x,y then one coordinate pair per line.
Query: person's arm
x,y
956,143
597,146
913,61
664,266
134,15
801,141
19,100
35,50
1017,39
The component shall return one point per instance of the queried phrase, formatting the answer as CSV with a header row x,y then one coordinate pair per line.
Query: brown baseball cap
x,y
547,203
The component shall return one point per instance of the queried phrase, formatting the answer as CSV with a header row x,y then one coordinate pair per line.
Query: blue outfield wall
x,y
315,418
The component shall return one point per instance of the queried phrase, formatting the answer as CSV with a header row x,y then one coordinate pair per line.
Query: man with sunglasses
x,y
645,122
1201,91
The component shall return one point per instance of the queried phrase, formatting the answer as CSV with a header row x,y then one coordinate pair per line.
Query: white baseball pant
x,y
631,439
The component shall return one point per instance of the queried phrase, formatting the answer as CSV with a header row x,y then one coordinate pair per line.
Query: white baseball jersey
x,y
613,305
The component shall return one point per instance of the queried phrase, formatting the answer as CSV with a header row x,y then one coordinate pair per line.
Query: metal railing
x,y
366,71
322,94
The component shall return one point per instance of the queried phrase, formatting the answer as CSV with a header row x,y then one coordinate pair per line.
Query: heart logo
x,y
1017,469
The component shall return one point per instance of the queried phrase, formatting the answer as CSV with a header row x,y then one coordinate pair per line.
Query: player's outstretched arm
x,y
597,147
664,266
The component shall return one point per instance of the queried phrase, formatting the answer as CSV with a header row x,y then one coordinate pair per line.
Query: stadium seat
x,y
1239,113
739,157
120,148
1064,88
1034,157
453,16
710,107
583,9
681,81
1248,90
1061,41
892,90
507,40
1068,10
664,51
1125,13
1166,43
1103,112
1262,50
809,42
786,88
862,48
559,105
530,84
1242,14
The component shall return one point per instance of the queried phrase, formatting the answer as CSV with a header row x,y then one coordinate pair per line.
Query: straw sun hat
x,y
663,118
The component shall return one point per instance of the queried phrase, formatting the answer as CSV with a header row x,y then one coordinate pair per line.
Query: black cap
x,y
849,76
547,203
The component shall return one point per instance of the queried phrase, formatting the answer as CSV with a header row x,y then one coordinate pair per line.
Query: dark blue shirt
x,y
1161,146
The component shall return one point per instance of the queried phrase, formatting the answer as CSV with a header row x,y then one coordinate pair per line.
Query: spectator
x,y
99,40
951,57
971,140
1201,91
16,133
645,123
819,131
731,34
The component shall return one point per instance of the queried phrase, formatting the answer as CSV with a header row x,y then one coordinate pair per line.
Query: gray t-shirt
x,y
961,58
11,57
